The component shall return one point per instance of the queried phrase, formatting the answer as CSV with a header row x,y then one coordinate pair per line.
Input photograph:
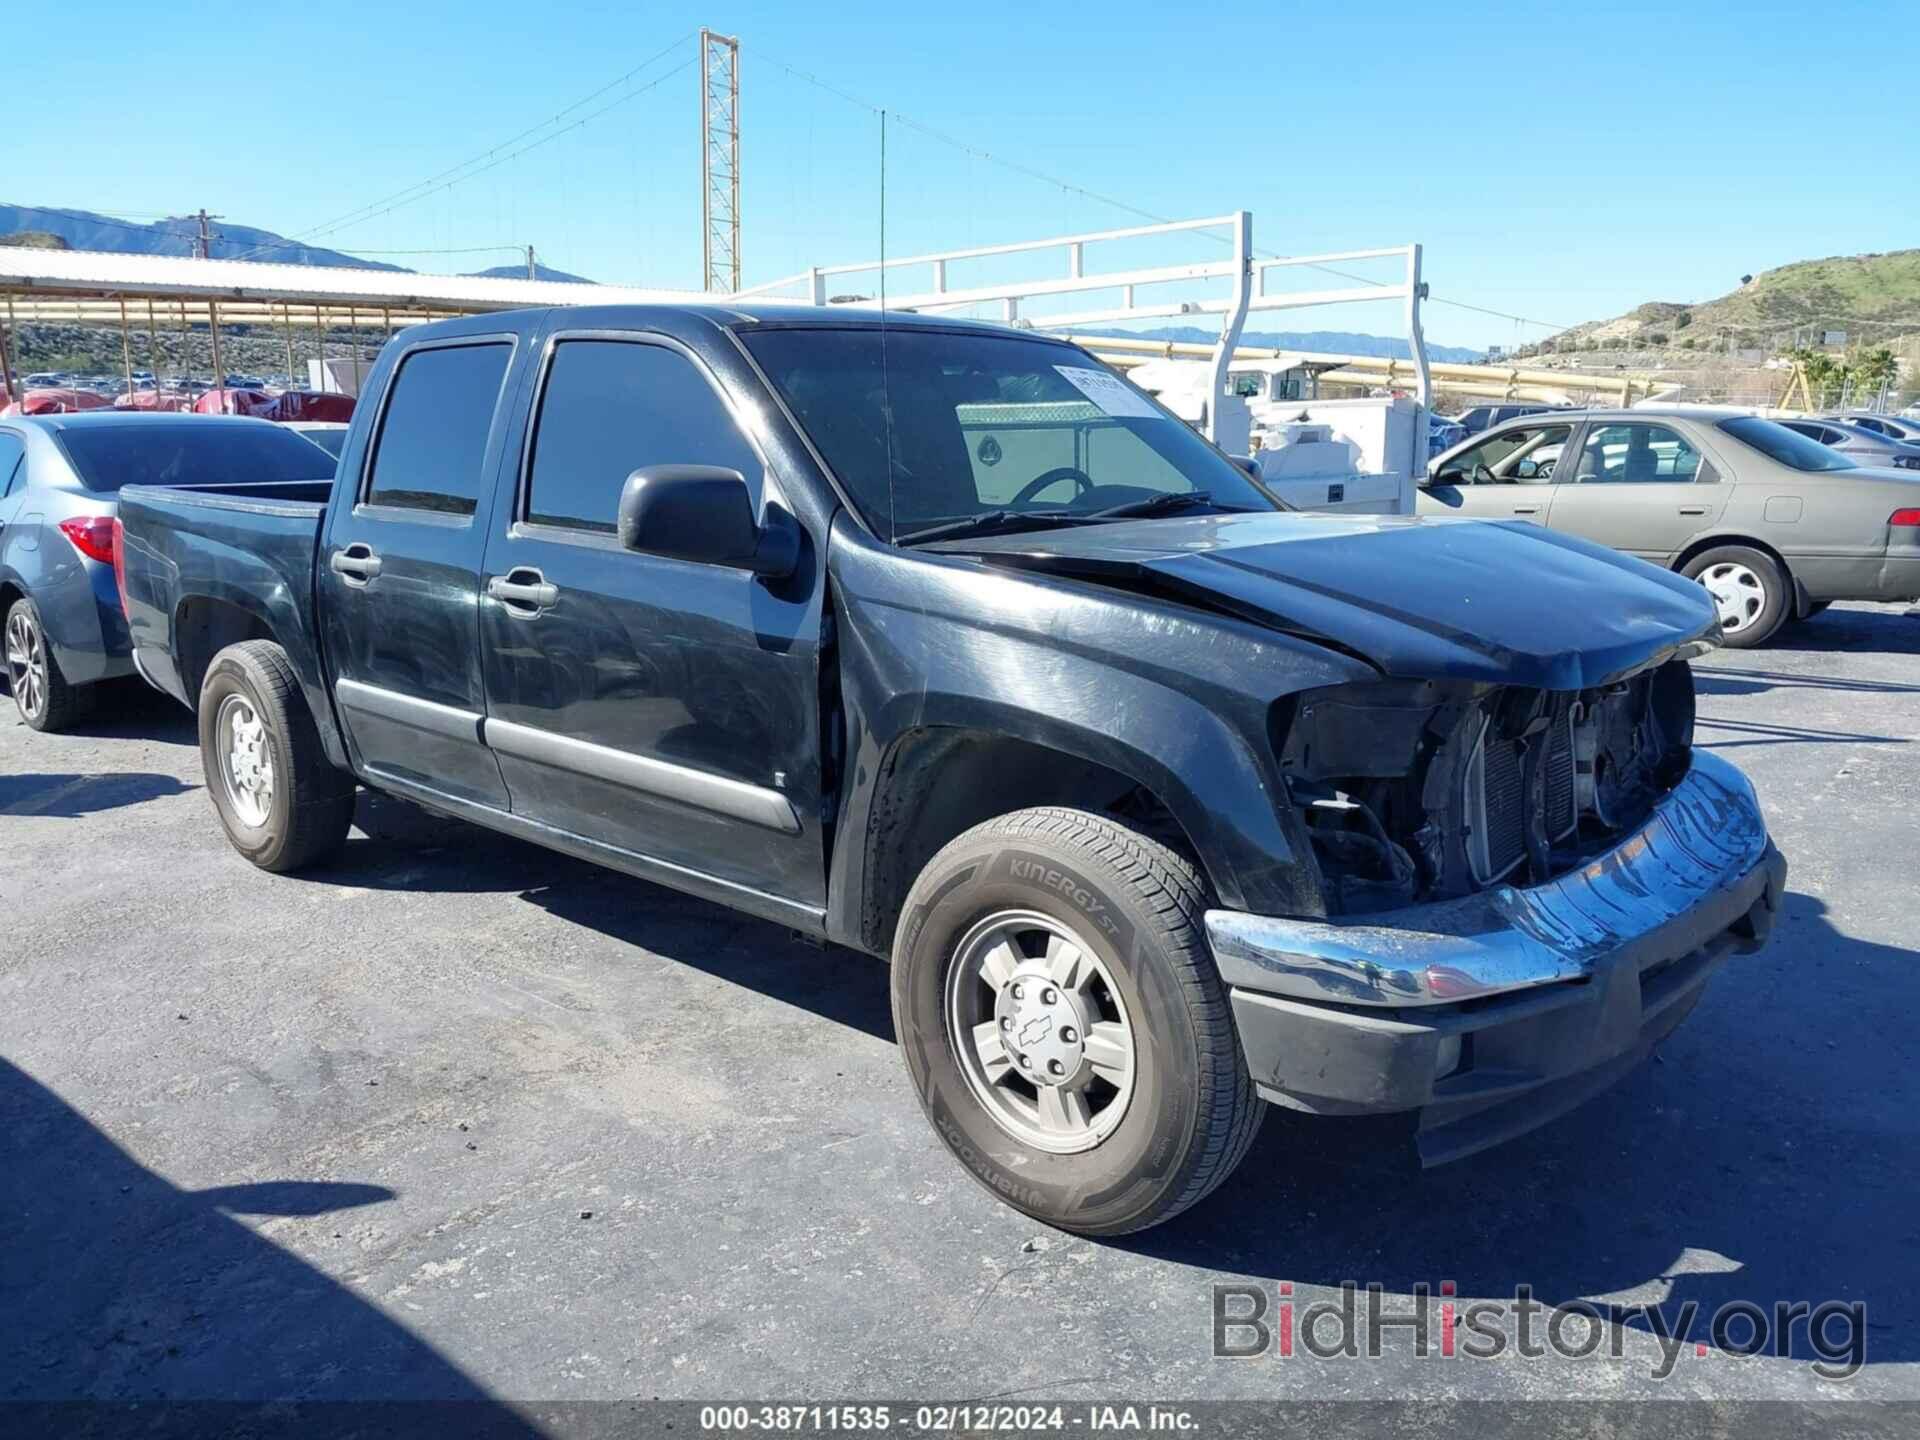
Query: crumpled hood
x,y
1418,598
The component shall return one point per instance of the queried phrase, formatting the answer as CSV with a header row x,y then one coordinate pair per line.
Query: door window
x,y
1524,455
1637,453
13,463
611,407
433,439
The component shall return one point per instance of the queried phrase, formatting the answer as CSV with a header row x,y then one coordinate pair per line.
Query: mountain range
x,y
85,230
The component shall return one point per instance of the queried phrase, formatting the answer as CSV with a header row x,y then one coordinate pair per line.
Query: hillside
x,y
85,230
34,240
1872,297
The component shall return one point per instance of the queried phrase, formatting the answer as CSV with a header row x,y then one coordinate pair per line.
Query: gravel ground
x,y
458,1117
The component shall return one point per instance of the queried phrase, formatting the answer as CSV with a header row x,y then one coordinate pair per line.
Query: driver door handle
x,y
524,591
1526,509
1693,509
357,564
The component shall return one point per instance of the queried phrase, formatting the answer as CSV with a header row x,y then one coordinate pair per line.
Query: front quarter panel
x,y
1174,699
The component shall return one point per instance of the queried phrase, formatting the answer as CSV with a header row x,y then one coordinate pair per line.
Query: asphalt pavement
x,y
460,1118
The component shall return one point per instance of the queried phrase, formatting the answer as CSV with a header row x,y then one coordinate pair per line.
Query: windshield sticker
x,y
1110,393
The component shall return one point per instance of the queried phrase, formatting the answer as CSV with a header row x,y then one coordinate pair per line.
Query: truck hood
x,y
1416,598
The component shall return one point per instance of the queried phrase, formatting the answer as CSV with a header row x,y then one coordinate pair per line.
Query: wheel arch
x,y
207,622
1801,601
934,782
204,625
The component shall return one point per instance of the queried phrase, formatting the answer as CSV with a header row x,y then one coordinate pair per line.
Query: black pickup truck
x,y
942,642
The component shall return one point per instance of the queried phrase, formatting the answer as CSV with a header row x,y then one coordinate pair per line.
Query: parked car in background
x,y
945,643
60,478
329,435
1443,434
1894,427
1856,442
1479,417
1773,523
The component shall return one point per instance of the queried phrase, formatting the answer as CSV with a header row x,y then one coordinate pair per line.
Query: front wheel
x,y
1749,590
282,802
1063,1023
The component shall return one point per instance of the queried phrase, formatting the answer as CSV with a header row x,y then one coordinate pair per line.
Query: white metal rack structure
x,y
1246,276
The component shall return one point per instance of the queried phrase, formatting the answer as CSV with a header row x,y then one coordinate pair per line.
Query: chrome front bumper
x,y
1491,1014
1659,885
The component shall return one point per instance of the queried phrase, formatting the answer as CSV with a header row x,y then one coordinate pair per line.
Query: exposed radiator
x,y
1500,806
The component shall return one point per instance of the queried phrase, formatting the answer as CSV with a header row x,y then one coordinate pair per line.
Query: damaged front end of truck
x,y
1526,890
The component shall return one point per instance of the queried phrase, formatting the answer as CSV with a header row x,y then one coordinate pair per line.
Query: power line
x,y
372,210
1121,205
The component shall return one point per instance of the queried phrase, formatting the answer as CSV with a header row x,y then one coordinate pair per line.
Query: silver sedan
x,y
1775,525
1858,442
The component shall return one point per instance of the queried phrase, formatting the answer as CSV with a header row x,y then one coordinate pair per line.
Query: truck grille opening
x,y
1498,791
1417,791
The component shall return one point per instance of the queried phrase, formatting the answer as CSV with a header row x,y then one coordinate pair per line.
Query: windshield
x,y
1784,446
987,425
190,452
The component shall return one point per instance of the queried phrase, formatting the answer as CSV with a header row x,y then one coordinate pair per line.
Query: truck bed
x,y
204,562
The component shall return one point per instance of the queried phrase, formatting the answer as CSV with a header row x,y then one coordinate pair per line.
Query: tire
x,y
41,694
1749,589
1187,1109
293,810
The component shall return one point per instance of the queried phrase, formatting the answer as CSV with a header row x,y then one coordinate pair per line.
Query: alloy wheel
x,y
1043,1038
26,662
246,760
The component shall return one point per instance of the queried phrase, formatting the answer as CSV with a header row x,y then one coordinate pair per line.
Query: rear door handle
x,y
357,564
524,591
1526,509
1693,509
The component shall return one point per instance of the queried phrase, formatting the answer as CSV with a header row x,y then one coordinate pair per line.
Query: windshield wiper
x,y
1154,504
989,522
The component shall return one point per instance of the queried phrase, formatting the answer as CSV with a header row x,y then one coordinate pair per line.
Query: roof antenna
x,y
886,385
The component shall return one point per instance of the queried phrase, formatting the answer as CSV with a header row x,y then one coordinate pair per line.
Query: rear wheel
x,y
1748,589
40,691
1064,1025
283,804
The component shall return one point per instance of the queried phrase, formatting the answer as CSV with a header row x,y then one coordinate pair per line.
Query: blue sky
x,y
1559,163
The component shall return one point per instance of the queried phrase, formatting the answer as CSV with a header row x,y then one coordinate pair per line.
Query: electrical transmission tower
x,y
720,159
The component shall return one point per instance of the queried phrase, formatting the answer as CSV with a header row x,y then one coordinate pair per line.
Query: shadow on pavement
x,y
1765,1155
1749,733
840,985
1882,629
1708,681
399,846
127,709
72,796
118,1287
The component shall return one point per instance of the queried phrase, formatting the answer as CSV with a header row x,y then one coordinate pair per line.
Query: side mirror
x,y
1248,463
705,514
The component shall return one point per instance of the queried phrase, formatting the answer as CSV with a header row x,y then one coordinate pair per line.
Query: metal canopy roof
x,y
89,285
